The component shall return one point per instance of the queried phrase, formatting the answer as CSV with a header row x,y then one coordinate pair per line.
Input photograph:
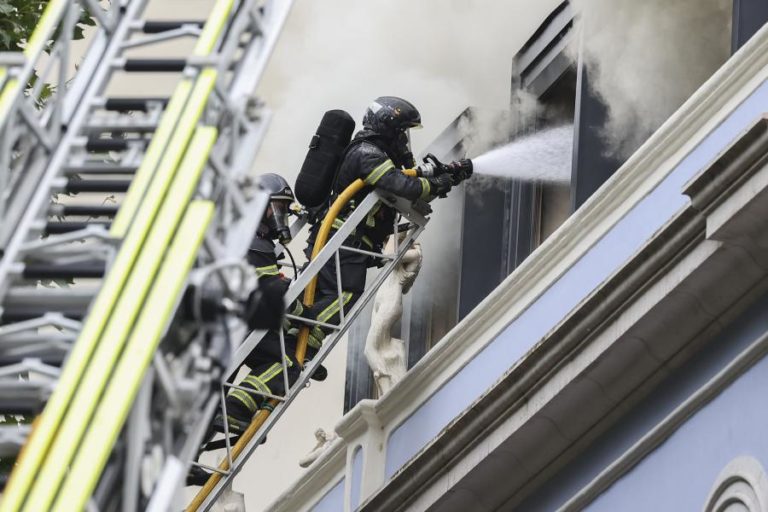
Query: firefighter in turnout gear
x,y
377,155
266,310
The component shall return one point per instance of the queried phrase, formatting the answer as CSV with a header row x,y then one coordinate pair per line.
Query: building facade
x,y
622,365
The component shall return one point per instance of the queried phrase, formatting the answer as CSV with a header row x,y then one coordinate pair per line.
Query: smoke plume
x,y
442,55
645,58
484,129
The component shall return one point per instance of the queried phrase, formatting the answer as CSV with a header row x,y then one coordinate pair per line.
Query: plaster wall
x,y
719,426
680,474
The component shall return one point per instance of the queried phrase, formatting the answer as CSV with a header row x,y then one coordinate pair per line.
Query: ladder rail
x,y
332,248
43,121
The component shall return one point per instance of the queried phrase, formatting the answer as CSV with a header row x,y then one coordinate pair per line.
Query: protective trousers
x,y
354,267
266,375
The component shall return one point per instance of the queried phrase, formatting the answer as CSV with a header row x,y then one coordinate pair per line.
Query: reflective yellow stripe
x,y
425,188
179,129
108,344
370,219
367,241
273,370
376,174
42,33
268,270
256,383
6,98
333,308
213,27
298,309
116,403
245,399
314,342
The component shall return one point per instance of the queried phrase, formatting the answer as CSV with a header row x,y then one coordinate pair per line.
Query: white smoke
x,y
483,129
645,58
442,55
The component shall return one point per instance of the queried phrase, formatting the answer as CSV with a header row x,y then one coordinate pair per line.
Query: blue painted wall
x,y
333,501
688,463
357,478
606,256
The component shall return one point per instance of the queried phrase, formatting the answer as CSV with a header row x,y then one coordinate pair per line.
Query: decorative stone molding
x,y
742,485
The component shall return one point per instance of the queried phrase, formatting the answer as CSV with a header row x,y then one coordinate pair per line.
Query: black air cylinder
x,y
315,180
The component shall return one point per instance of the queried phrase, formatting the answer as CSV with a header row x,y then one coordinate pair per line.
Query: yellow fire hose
x,y
301,345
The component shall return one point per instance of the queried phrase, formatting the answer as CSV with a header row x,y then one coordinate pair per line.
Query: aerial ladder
x,y
177,166
101,303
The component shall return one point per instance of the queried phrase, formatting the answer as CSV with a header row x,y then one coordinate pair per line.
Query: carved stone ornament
x,y
386,355
323,441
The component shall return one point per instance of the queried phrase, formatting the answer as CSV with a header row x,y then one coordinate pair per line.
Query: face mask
x,y
404,148
279,222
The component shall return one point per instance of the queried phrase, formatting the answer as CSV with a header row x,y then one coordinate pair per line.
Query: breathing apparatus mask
x,y
405,148
277,220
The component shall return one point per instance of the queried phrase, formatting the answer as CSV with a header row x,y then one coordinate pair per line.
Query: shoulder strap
x,y
376,140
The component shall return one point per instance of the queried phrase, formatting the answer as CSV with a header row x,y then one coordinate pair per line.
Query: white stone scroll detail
x,y
385,354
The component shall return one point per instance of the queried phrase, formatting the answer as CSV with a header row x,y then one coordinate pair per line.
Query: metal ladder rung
x,y
155,27
60,227
133,104
56,298
109,144
20,314
92,269
26,400
115,126
49,356
67,210
100,168
153,65
74,186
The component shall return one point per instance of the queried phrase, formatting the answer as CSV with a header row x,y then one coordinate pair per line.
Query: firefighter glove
x,y
440,185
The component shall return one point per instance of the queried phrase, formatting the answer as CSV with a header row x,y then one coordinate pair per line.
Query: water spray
x,y
541,156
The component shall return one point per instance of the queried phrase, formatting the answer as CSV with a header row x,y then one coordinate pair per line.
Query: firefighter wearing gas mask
x,y
265,310
377,154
